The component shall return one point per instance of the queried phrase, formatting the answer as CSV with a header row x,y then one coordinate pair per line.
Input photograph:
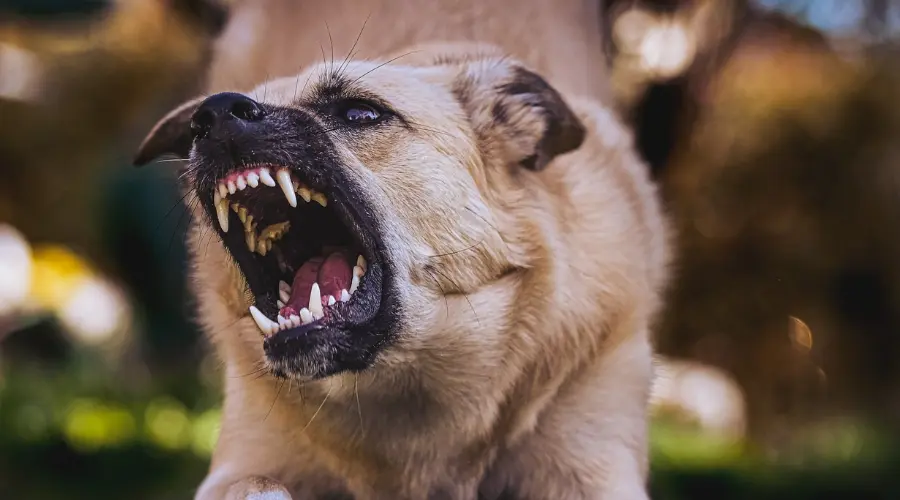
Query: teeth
x,y
361,262
248,224
266,325
304,193
358,272
223,191
282,321
261,247
305,316
345,295
241,183
315,302
266,177
285,296
354,284
331,300
283,286
242,214
221,211
231,187
280,304
295,320
287,186
250,239
320,199
275,231
252,179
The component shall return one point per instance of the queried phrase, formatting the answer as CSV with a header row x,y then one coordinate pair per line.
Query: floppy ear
x,y
170,135
516,114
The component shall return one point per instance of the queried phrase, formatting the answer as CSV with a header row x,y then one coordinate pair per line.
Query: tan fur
x,y
524,363
267,39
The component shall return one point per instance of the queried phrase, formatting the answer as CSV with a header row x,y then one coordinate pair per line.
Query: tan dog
x,y
469,276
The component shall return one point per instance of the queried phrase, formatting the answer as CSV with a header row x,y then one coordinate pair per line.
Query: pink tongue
x,y
332,273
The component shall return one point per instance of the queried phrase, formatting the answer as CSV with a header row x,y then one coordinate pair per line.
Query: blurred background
x,y
772,127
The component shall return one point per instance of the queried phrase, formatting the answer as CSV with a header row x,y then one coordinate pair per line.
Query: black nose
x,y
217,109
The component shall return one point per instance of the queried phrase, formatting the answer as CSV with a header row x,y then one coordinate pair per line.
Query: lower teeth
x,y
314,311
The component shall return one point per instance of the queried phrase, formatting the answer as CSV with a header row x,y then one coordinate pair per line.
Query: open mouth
x,y
306,258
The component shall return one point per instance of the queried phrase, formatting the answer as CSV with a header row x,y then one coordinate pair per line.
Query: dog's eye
x,y
359,113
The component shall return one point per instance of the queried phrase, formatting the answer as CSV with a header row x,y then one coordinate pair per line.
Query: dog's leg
x,y
262,462
591,443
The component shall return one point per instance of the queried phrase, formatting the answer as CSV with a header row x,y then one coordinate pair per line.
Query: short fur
x,y
529,251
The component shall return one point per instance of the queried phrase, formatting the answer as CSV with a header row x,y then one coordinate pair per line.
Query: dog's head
x,y
356,198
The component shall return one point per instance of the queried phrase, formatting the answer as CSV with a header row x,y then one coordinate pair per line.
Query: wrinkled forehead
x,y
405,89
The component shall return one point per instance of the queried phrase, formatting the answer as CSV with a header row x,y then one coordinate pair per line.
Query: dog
x,y
429,279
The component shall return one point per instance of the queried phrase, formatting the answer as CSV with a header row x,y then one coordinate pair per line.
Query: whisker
x,y
331,42
353,47
358,406
443,292
176,204
327,395
448,254
465,295
277,393
382,65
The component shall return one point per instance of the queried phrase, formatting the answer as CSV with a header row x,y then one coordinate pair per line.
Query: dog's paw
x,y
257,488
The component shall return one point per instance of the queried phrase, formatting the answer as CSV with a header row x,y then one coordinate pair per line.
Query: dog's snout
x,y
220,108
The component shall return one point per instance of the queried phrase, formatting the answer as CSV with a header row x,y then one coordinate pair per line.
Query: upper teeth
x,y
289,318
252,178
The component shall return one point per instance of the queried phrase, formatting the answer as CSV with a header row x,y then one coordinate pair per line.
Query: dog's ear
x,y
517,116
170,135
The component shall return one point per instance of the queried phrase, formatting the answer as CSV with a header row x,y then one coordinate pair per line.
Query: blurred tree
x,y
775,157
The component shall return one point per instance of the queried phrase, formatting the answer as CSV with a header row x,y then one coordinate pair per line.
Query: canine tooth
x,y
331,300
280,304
221,211
252,179
265,324
361,262
295,320
358,272
320,199
242,214
315,302
241,183
248,224
287,186
305,316
266,177
250,239
223,191
283,286
285,296
304,193
231,187
345,295
354,284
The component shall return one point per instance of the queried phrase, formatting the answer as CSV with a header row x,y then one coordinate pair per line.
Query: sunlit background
x,y
773,128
